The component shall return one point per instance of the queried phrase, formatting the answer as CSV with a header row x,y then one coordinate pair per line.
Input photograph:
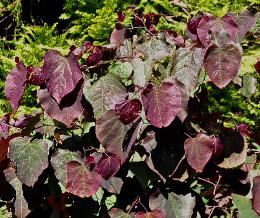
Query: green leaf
x,y
30,158
59,161
123,70
20,204
176,206
117,213
105,94
186,67
249,86
244,206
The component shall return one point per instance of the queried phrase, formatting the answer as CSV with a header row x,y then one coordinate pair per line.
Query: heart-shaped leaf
x,y
111,133
161,103
198,151
80,180
245,20
222,63
29,157
108,165
62,74
186,66
105,94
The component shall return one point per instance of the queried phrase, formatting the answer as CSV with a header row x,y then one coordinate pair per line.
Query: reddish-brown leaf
x,y
256,194
198,151
15,85
222,63
108,165
161,104
62,74
152,214
81,181
65,115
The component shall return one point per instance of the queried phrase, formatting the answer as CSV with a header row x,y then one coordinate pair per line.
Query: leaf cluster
x,y
124,129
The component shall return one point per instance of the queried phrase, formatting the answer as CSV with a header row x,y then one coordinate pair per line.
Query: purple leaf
x,y
108,165
15,85
243,129
20,204
198,151
256,194
151,19
37,76
120,16
22,120
67,114
81,181
192,27
210,26
117,36
257,65
4,126
62,74
95,57
161,103
230,26
173,38
245,21
205,27
4,145
128,110
222,63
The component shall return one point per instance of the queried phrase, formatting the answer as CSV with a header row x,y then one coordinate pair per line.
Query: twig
x,y
179,163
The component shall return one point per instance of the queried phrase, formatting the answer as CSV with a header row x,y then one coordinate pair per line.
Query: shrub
x,y
125,130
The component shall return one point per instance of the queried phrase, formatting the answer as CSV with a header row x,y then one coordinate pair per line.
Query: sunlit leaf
x,y
105,94
222,63
80,180
161,103
62,74
175,206
15,85
29,157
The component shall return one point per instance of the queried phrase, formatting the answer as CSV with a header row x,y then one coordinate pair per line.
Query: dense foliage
x,y
125,129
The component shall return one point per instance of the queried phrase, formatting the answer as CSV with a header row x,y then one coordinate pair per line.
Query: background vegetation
x,y
28,28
